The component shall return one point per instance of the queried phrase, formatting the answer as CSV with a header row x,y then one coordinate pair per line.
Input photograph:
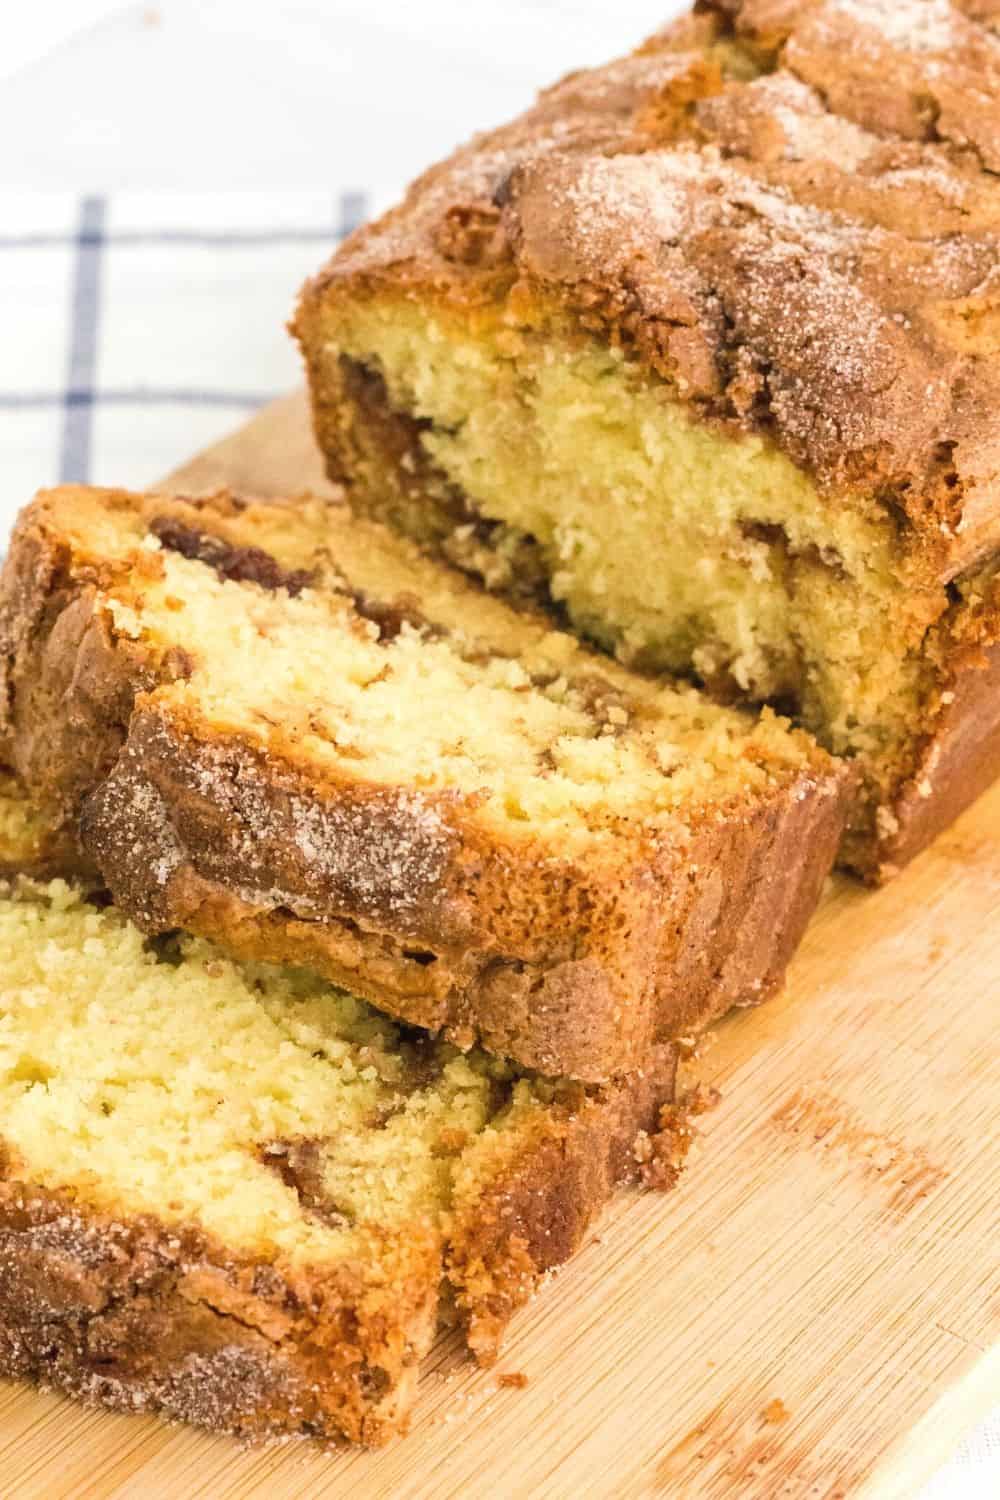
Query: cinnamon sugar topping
x,y
801,234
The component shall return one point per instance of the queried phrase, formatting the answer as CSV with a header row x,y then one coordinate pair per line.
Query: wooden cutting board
x,y
813,1314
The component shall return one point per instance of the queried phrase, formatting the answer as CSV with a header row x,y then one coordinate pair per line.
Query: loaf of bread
x,y
284,729
237,1195
704,351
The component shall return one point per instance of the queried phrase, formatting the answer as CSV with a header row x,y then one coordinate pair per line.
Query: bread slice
x,y
704,350
310,743
235,1194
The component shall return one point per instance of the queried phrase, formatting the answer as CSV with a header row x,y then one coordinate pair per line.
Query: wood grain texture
x,y
814,1313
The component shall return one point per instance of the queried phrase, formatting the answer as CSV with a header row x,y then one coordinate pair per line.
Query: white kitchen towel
x,y
138,329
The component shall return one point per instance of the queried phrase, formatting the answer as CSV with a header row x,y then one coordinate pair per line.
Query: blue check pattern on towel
x,y
139,329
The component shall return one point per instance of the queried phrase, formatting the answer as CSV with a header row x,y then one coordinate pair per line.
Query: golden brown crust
x,y
956,760
550,961
503,1242
136,1315
570,966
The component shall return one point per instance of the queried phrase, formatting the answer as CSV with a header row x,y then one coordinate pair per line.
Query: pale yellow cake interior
x,y
166,1081
550,737
676,545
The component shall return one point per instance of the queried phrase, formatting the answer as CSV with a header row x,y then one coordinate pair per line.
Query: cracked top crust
x,y
789,211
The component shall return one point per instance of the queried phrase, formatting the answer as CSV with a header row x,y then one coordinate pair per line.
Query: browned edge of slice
x,y
504,1241
130,1313
955,761
634,953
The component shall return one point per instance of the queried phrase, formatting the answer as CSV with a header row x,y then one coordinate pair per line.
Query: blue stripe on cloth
x,y
353,211
85,312
137,396
224,238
